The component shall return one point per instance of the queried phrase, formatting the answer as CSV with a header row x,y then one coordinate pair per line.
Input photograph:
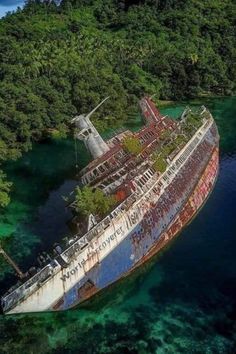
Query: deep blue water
x,y
183,301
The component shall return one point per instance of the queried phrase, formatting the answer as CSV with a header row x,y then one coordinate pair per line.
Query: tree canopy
x,y
4,190
89,201
132,145
60,58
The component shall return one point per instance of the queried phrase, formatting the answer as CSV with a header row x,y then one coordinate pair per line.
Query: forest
x,y
60,58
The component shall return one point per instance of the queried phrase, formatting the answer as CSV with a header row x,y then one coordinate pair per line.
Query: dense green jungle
x,y
58,58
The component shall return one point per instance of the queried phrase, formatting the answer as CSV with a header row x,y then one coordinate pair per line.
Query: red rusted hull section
x,y
201,192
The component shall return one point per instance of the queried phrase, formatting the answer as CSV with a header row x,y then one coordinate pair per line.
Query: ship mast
x,y
12,263
89,134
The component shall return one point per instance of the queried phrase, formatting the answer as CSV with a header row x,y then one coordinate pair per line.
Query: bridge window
x,y
95,172
101,168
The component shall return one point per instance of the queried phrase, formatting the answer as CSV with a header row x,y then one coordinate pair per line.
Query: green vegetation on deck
x,y
132,145
172,142
93,201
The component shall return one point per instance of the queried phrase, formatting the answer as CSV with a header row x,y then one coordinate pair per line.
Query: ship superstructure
x,y
158,191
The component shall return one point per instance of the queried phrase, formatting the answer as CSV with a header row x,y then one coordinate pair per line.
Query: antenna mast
x,y
12,263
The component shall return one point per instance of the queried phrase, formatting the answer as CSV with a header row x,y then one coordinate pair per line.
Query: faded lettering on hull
x,y
103,245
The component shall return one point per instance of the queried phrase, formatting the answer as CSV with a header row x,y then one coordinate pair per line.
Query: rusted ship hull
x,y
195,202
122,261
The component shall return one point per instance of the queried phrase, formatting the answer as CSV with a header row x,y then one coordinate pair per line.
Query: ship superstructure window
x,y
141,139
90,177
95,172
105,183
149,173
120,155
122,171
101,168
124,153
151,134
140,183
106,164
132,163
115,177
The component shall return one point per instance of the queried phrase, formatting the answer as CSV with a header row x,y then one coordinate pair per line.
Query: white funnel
x,y
89,134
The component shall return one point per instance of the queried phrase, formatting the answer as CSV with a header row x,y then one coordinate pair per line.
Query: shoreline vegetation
x,y
165,103
59,60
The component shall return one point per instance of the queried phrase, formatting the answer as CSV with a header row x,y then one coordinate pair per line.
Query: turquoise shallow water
x,y
183,301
